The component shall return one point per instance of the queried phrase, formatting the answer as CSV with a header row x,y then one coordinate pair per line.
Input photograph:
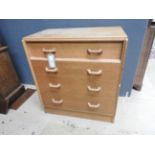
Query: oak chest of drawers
x,y
78,71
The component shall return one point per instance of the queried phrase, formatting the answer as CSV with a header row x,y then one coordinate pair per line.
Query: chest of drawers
x,y
84,80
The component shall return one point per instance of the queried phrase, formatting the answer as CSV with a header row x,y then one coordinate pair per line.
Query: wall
x,y
12,32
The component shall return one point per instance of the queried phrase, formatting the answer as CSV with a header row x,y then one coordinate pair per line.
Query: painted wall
x,y
12,31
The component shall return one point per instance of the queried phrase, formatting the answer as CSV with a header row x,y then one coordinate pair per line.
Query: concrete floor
x,y
135,115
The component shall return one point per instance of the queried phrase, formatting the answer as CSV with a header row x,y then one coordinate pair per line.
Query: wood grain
x,y
73,62
74,79
79,34
26,94
10,87
111,50
80,114
8,77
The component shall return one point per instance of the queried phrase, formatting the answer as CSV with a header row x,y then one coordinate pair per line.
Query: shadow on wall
x,y
12,32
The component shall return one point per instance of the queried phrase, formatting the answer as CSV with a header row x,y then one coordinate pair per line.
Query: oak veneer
x,y
111,50
89,65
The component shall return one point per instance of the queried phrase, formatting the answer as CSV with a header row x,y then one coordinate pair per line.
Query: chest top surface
x,y
92,33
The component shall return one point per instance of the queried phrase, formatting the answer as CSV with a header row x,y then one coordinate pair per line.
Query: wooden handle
x,y
94,106
94,51
52,50
54,70
58,102
94,89
90,72
54,85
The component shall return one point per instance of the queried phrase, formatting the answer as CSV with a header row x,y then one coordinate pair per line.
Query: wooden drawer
x,y
106,50
76,87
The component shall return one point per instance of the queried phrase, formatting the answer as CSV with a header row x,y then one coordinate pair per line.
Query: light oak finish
x,y
74,80
79,34
80,114
102,50
89,64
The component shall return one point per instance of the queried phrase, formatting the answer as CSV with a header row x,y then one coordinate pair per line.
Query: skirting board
x,y
80,115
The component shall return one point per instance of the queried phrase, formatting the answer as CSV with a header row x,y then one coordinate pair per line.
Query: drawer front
x,y
74,88
108,50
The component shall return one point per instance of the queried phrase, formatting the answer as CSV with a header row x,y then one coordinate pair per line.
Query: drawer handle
x,y
94,51
90,72
57,101
94,106
52,50
94,89
54,85
54,70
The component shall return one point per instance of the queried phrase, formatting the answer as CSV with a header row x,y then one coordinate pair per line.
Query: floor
x,y
135,115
